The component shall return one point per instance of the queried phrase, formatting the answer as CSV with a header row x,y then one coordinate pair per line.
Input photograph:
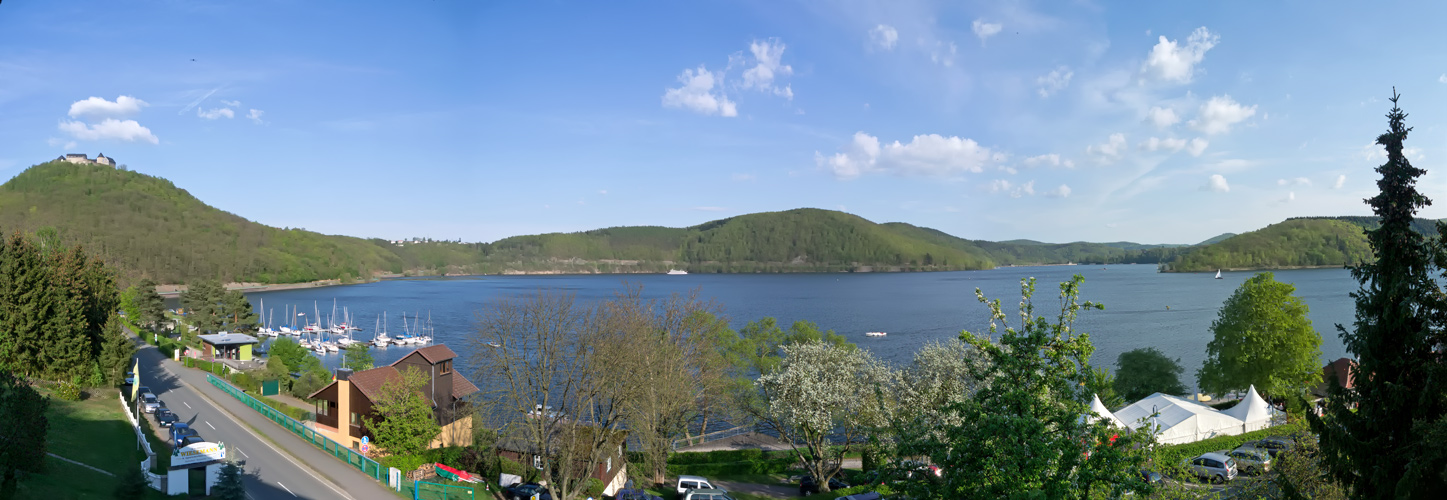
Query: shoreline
x,y
1253,269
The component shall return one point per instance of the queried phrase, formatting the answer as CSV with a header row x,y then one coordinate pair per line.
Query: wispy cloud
x,y
198,101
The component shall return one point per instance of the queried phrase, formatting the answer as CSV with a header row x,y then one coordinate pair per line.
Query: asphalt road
x,y
270,472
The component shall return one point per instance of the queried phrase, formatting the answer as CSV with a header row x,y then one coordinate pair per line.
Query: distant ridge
x,y
1294,243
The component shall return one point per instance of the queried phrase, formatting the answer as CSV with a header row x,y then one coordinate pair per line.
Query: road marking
x,y
265,441
208,424
238,450
188,405
283,486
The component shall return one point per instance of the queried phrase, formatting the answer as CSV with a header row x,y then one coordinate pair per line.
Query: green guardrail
x,y
352,457
422,490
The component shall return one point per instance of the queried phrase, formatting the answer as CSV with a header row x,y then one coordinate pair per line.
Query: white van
x,y
686,483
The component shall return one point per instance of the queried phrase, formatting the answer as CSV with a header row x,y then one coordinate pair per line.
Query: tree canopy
x,y
22,437
1262,337
1145,371
406,423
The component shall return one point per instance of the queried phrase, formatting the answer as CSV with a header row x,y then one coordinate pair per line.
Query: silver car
x,y
1213,467
1252,461
149,403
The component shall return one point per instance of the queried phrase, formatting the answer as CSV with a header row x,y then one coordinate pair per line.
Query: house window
x,y
608,465
322,407
356,418
538,462
445,367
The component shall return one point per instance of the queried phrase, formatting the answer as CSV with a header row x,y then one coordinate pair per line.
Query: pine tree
x,y
236,313
22,437
1380,439
116,352
228,483
132,485
150,304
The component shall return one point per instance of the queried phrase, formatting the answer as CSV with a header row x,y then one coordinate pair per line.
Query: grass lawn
x,y
93,431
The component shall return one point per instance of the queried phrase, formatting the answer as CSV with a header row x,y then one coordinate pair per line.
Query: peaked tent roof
x,y
1180,420
1100,410
1251,409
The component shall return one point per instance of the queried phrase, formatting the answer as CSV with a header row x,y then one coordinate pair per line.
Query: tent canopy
x,y
1179,420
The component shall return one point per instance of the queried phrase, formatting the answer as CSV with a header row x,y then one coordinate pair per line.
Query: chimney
x,y
344,406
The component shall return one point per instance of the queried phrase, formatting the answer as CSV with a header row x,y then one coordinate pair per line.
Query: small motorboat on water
x,y
676,271
875,334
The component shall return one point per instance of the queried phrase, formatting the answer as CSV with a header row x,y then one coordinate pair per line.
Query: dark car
x,y
1273,445
809,486
165,418
527,491
635,494
1150,476
142,390
180,432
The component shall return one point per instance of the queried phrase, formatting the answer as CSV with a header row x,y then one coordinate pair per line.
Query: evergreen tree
x,y
1383,438
202,301
228,483
22,436
132,485
116,352
149,304
236,313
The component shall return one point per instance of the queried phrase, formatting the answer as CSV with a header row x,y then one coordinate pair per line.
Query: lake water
x,y
914,308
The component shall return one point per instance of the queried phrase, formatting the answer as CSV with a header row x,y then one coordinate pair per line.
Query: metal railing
x,y
352,457
422,490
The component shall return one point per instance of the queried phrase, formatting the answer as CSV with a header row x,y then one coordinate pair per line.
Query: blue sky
x,y
1163,122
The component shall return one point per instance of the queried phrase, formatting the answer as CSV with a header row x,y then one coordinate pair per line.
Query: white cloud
x,y
231,104
1220,113
96,107
944,55
768,57
1111,150
1052,159
884,36
1171,62
1014,190
1340,181
1197,146
985,30
603,192
1217,183
1374,152
1290,197
110,128
1170,144
1054,82
924,155
212,114
255,116
1163,117
1442,79
1060,192
697,94
1299,181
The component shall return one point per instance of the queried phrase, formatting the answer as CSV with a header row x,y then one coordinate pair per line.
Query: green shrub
x,y
246,382
710,457
595,488
289,410
447,455
1172,455
510,467
769,466
404,463
66,391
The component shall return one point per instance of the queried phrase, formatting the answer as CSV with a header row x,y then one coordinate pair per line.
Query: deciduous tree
x,y
358,357
406,425
1145,371
1384,438
822,400
1262,338
1023,434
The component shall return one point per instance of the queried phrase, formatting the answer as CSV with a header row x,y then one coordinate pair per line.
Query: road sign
x,y
366,443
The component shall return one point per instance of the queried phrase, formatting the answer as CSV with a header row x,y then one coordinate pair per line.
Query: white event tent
x,y
1180,420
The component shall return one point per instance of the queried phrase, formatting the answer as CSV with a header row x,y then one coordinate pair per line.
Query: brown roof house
x,y
610,466
1339,372
343,405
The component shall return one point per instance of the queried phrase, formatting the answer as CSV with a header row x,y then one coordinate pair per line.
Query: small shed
x,y
227,346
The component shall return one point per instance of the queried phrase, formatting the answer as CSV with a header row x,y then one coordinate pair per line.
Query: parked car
x,y
149,403
1252,461
180,431
527,491
706,494
1150,476
809,486
686,483
872,495
165,417
634,494
1272,445
142,390
1213,467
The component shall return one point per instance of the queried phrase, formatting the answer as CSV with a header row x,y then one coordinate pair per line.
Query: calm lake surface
x,y
914,308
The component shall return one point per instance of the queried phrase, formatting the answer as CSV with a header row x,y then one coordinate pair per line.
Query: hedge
x,y
289,410
711,457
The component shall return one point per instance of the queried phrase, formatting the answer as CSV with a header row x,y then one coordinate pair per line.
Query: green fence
x,y
422,490
207,366
356,459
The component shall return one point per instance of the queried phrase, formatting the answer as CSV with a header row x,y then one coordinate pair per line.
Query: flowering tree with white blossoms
x,y
823,400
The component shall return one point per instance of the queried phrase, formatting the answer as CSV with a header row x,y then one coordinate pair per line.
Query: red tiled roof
x,y
370,381
433,354
1342,370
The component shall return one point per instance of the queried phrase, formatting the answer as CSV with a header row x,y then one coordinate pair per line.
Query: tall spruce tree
x,y
1379,438
150,304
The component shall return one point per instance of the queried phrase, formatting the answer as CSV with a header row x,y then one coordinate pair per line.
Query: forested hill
x,y
147,227
1294,243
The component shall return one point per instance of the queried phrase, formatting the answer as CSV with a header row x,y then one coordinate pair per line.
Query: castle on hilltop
x,y
100,159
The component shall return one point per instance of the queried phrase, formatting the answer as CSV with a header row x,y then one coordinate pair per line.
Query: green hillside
x,y
147,227
1293,243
